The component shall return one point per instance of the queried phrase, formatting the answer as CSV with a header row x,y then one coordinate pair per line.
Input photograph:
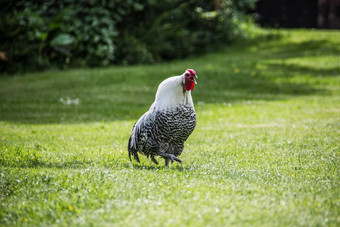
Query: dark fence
x,y
299,13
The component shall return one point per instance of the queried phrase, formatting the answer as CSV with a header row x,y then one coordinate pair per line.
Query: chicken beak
x,y
196,78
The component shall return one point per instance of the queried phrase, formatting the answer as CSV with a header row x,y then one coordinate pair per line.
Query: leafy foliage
x,y
40,34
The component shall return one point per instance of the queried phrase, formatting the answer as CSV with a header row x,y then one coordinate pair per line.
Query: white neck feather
x,y
170,94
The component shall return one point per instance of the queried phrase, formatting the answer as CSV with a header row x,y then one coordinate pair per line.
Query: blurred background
x,y
37,35
323,14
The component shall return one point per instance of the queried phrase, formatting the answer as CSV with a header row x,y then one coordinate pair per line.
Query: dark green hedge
x,y
62,33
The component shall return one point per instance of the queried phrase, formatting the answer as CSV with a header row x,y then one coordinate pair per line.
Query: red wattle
x,y
192,86
187,85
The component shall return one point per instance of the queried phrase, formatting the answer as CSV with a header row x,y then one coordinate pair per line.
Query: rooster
x,y
164,128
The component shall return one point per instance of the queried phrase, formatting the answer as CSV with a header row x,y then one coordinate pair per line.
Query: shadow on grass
x,y
30,163
295,69
235,74
173,166
76,164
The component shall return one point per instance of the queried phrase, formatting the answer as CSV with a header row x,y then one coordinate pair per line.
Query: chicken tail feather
x,y
132,152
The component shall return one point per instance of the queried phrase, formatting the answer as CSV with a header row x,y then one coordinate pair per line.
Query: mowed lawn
x,y
265,151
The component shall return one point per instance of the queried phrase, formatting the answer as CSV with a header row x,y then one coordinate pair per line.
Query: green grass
x,y
265,151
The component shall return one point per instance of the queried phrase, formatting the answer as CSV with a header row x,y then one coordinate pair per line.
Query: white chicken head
x,y
189,79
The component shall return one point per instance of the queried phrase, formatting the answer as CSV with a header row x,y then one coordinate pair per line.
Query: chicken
x,y
164,128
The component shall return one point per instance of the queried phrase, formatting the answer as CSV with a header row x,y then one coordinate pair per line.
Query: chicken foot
x,y
168,157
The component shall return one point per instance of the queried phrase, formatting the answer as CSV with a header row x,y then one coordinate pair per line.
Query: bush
x,y
63,33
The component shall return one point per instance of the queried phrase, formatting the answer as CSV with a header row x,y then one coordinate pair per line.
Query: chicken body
x,y
171,119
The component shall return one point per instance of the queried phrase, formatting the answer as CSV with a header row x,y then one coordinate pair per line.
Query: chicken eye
x,y
187,75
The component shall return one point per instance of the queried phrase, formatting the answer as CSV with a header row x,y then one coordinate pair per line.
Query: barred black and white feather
x,y
164,128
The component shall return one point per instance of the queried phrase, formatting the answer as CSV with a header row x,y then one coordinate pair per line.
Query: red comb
x,y
191,71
